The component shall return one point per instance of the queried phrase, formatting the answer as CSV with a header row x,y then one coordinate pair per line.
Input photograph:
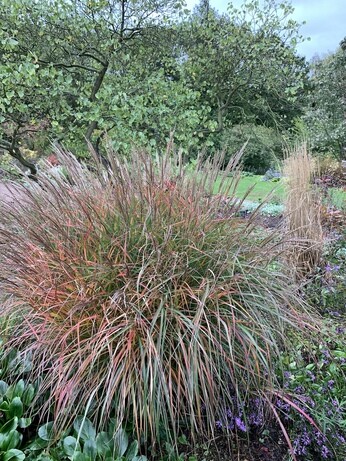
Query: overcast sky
x,y
325,22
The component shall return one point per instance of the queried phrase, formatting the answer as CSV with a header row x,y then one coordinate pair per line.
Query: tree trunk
x,y
97,85
15,152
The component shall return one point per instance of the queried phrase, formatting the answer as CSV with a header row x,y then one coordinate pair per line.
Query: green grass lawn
x,y
261,189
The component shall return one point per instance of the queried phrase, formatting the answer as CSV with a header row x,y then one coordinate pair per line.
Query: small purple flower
x,y
230,426
240,424
330,413
324,452
333,268
219,424
255,419
229,413
299,390
326,356
319,437
306,399
283,405
311,375
299,447
335,403
330,384
340,330
341,438
311,402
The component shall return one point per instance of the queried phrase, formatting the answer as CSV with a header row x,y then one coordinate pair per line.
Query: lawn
x,y
260,190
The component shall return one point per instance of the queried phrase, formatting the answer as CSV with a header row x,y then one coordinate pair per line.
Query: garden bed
x,y
311,373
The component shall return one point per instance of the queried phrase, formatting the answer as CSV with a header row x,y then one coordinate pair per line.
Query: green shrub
x,y
81,442
15,399
263,149
135,300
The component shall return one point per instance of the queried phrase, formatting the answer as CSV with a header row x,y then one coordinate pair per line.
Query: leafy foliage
x,y
263,149
243,63
15,399
83,443
133,72
317,382
324,120
327,290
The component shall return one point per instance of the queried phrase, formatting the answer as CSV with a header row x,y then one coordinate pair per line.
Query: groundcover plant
x,y
136,300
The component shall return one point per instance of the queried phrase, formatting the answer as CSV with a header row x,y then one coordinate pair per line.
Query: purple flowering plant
x,y
316,386
327,289
242,417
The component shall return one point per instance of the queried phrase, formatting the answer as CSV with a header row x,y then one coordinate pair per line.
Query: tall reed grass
x,y
303,211
135,299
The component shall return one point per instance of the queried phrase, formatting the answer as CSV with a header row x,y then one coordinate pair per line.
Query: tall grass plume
x,y
303,212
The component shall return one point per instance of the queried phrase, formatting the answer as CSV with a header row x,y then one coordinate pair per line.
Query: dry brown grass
x,y
303,212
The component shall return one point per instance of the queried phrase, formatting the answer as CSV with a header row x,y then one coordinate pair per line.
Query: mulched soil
x,y
332,180
258,447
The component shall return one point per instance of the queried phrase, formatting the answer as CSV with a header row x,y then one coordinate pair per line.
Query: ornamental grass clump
x,y
135,299
303,212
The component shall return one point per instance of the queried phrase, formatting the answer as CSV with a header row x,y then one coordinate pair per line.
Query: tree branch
x,y
15,152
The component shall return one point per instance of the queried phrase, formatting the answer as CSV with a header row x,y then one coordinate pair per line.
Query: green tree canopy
x,y
324,122
133,71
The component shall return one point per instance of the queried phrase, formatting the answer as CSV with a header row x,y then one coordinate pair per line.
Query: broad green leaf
x,y
16,408
90,449
10,440
9,426
4,406
46,432
38,444
80,457
71,446
24,422
132,451
44,457
28,395
16,390
14,455
121,442
84,429
104,444
3,388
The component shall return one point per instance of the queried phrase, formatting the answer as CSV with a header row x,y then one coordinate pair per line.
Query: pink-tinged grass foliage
x,y
136,299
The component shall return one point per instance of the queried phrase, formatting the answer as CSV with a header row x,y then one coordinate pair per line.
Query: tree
x,y
133,71
67,65
324,121
244,63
